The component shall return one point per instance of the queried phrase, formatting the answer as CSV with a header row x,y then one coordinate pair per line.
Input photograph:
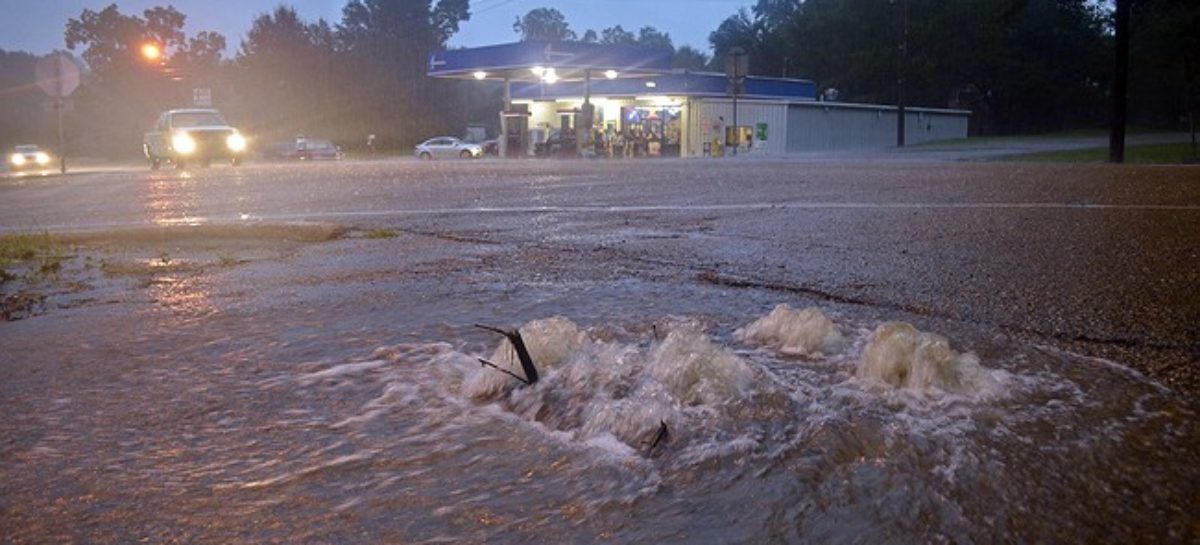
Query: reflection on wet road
x,y
934,376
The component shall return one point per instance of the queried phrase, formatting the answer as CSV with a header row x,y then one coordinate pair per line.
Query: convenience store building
x,y
597,93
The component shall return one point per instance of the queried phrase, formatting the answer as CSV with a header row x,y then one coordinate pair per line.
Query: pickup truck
x,y
193,135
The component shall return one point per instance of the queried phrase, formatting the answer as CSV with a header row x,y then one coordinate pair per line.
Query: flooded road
x,y
740,354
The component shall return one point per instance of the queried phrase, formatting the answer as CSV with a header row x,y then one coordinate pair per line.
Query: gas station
x,y
582,99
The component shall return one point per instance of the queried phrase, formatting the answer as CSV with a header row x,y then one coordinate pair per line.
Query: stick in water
x,y
514,337
663,434
503,370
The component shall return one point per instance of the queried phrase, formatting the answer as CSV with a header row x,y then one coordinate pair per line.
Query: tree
x,y
1023,66
617,36
22,119
689,58
649,36
113,39
543,25
285,75
385,45
123,92
1165,61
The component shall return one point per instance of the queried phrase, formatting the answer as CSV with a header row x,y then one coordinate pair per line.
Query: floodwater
x,y
664,413
916,386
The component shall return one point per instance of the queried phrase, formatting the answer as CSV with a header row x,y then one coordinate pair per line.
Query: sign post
x,y
737,66
58,76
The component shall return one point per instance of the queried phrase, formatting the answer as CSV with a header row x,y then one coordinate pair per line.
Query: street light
x,y
151,51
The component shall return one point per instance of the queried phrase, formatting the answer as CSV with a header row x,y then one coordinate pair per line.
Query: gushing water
x,y
794,427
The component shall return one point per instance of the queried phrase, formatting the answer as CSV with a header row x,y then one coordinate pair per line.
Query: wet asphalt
x,y
1100,260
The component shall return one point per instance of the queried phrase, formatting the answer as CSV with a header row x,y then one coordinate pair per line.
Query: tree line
x,y
1022,66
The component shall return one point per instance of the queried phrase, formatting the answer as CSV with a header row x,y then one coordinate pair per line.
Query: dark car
x,y
303,149
560,143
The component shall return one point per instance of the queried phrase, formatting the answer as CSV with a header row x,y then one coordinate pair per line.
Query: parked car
x,y
560,143
446,147
28,157
303,149
199,135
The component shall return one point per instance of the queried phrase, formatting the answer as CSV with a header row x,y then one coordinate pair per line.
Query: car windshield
x,y
27,149
196,119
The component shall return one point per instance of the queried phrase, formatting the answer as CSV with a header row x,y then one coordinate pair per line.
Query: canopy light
x,y
550,76
538,71
610,74
651,84
480,75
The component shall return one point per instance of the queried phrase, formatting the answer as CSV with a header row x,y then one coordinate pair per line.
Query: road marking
x,y
615,209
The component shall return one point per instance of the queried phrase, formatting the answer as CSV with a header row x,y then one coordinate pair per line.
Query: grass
x,y
24,247
1057,135
29,247
1154,154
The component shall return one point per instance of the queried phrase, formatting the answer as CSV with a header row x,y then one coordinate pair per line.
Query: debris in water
x,y
514,337
502,370
663,434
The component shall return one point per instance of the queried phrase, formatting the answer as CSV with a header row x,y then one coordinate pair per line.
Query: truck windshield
x,y
196,119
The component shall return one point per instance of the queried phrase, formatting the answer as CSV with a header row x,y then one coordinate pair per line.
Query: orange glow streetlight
x,y
151,51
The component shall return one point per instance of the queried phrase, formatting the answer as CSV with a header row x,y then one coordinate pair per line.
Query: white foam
x,y
698,372
794,332
340,370
899,355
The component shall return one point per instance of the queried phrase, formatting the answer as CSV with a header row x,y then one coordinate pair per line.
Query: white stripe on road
x,y
616,209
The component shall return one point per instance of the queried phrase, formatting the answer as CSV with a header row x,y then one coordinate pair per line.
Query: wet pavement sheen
x,y
329,391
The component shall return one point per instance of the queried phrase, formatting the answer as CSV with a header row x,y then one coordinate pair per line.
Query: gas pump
x,y
515,124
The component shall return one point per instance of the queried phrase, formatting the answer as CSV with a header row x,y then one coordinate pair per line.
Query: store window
x,y
656,131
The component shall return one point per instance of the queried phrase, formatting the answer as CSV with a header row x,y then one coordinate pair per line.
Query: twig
x,y
503,370
514,338
662,435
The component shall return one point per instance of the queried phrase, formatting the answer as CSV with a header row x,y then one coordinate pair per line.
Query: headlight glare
x,y
183,143
17,159
42,158
236,142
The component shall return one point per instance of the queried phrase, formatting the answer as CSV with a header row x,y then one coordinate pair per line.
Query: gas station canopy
x,y
550,62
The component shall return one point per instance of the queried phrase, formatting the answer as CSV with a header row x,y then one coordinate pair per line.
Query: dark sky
x,y
37,25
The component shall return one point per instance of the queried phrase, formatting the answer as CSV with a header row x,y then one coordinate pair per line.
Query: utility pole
x,y
737,67
1116,138
901,61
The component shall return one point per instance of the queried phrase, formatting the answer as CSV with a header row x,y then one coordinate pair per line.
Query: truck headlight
x,y
42,158
183,143
236,142
17,159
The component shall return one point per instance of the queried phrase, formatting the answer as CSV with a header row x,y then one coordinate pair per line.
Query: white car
x,y
28,157
447,147
199,135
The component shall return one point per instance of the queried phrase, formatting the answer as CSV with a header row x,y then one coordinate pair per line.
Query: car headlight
x,y
42,158
183,143
236,142
17,159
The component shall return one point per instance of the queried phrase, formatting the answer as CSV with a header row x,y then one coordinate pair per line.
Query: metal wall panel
x,y
705,116
825,126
